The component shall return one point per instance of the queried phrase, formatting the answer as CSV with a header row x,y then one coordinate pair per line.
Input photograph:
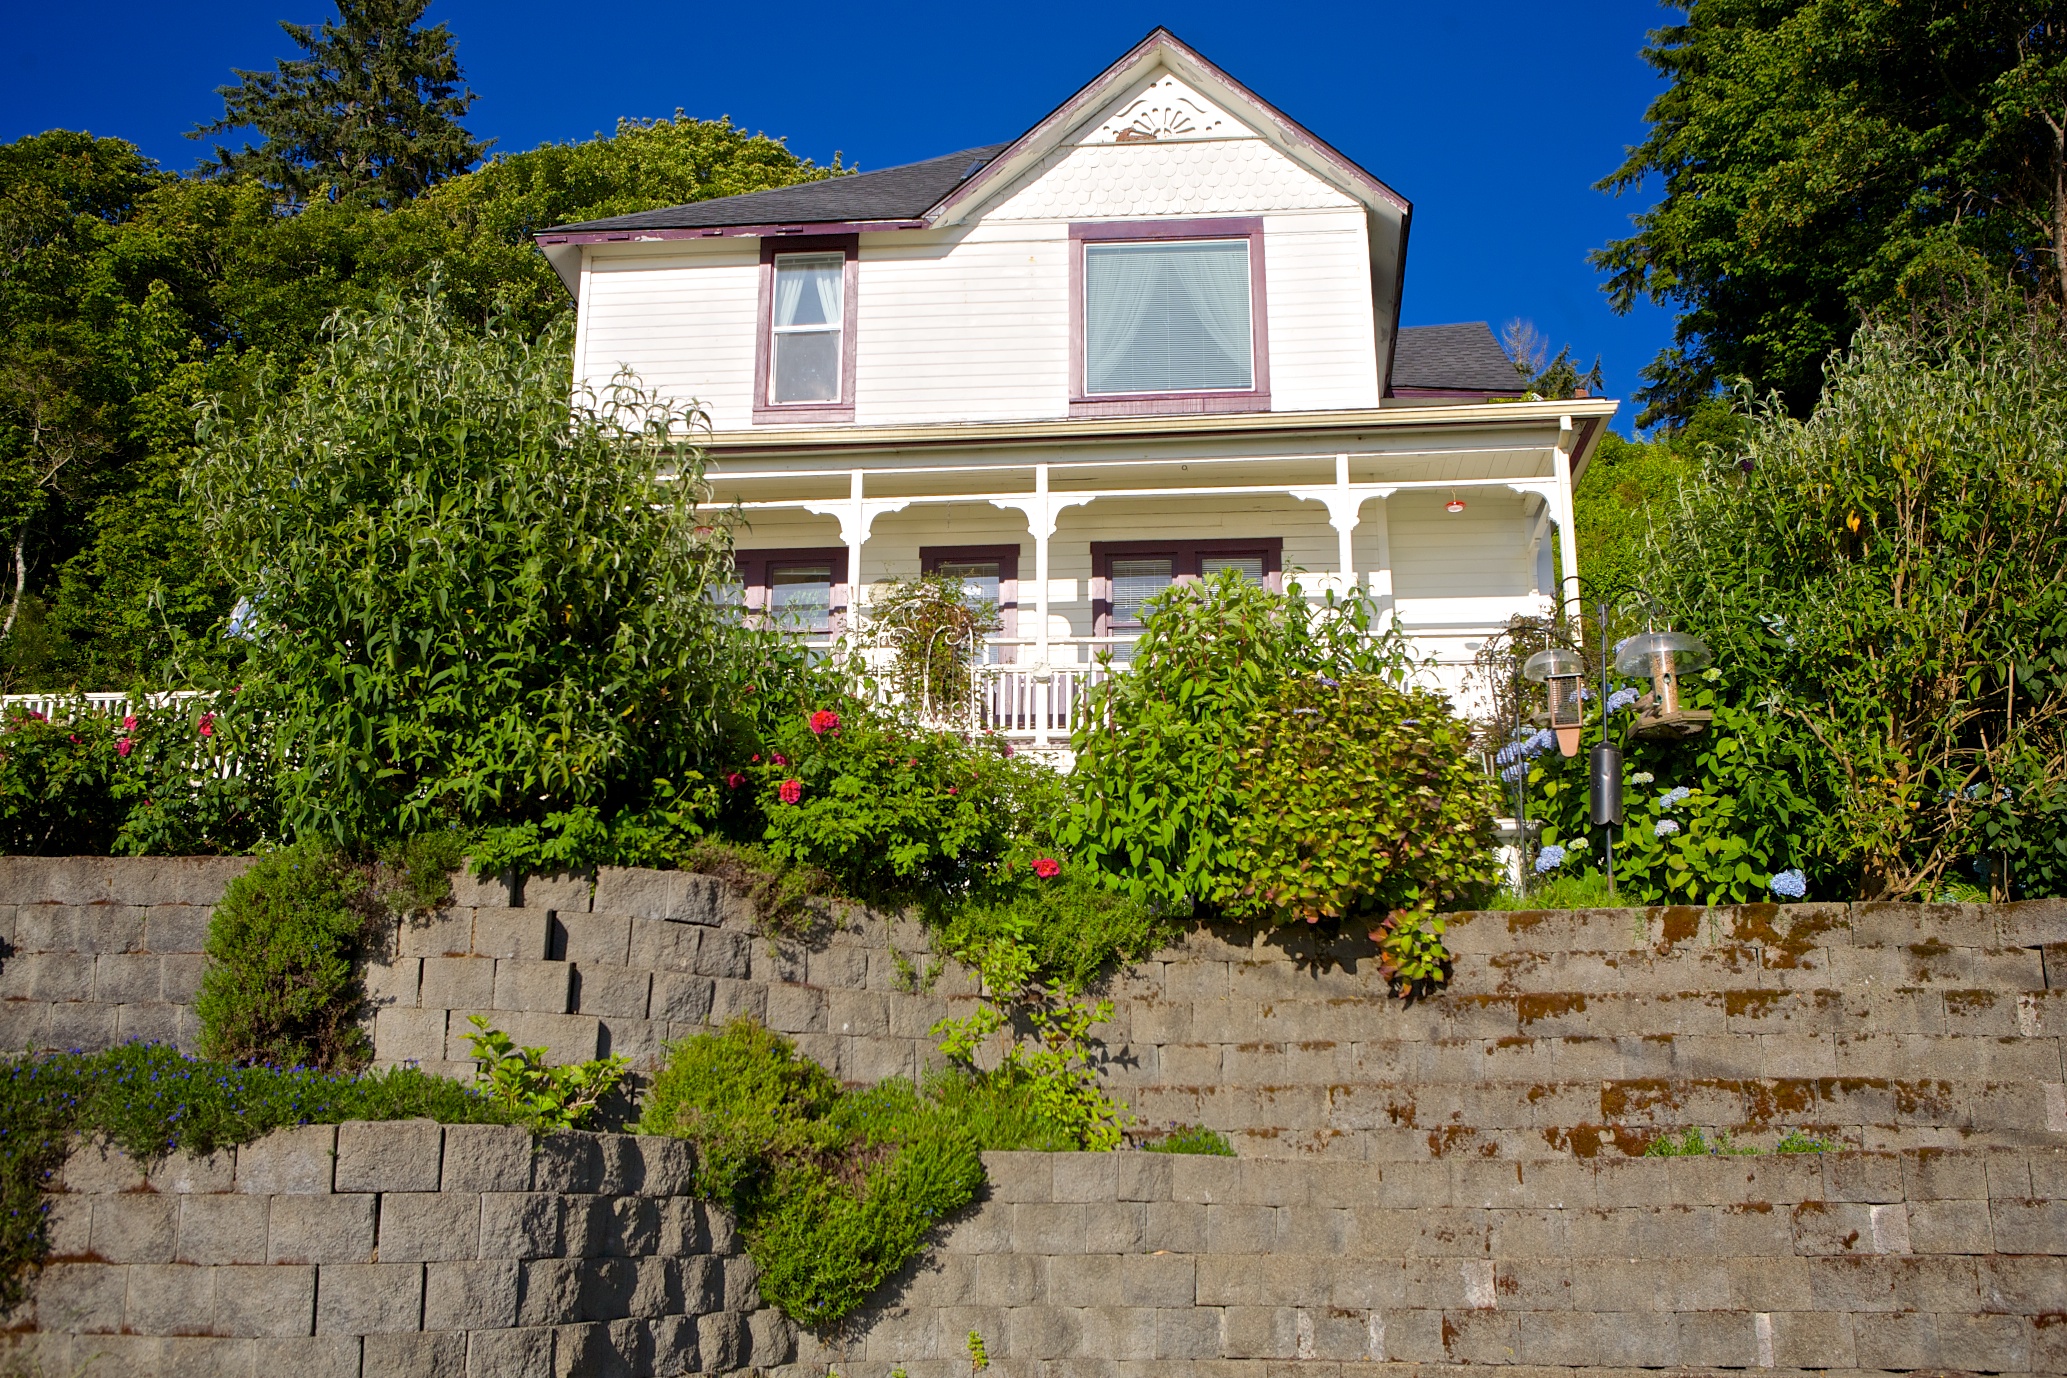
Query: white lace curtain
x,y
1170,317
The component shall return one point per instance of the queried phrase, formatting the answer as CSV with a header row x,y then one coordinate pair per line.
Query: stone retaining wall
x,y
1139,1265
396,1249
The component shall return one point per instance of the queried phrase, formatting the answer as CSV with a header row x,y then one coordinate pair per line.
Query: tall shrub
x,y
1889,579
469,599
1159,770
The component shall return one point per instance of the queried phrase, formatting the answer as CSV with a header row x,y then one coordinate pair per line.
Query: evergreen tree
x,y
372,112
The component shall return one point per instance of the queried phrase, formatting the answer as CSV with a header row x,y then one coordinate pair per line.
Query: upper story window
x,y
1168,317
805,371
808,325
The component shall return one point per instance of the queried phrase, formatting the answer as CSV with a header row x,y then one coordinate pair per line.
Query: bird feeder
x,y
1663,657
1562,672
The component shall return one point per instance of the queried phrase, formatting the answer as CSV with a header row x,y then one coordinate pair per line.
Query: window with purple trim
x,y
1125,576
799,591
805,371
1169,317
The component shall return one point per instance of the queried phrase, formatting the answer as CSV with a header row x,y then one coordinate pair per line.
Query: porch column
x,y
1381,577
1567,528
856,532
1344,517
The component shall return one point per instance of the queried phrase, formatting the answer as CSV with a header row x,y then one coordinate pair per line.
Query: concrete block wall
x,y
631,959
398,1248
1882,1026
96,951
1137,1265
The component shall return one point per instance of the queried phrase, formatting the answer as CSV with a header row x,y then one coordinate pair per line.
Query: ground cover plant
x,y
150,1100
835,1189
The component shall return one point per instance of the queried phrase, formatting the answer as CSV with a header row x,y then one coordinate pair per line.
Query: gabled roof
x,y
1164,49
1453,358
893,193
947,189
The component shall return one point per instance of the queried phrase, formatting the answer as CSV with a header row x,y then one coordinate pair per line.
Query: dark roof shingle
x,y
1465,358
894,193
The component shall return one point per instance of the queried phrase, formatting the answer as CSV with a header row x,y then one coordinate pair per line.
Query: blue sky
x,y
1495,120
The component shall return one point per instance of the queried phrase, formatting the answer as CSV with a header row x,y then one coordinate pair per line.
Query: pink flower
x,y
73,738
1047,867
734,780
951,789
129,723
1008,750
824,721
34,716
791,791
779,759
757,758
124,747
207,725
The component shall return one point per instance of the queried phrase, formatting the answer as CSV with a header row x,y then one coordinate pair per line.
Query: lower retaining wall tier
x,y
401,1248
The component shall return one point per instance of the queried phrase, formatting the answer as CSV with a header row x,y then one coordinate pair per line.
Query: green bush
x,y
835,1190
1887,582
180,780
892,811
281,987
473,599
57,795
1158,780
1070,926
149,1101
1360,802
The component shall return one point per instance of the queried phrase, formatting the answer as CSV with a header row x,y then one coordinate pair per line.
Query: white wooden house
x,y
1154,336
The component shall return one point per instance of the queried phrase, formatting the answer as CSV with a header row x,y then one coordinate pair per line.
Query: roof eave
x,y
765,230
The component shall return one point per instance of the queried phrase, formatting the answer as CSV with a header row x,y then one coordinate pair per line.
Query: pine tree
x,y
372,112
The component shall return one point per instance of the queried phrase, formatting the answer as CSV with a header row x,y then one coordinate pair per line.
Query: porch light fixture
x,y
1663,657
1454,505
1562,671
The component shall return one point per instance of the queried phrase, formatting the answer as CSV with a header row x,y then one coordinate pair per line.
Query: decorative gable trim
x,y
1168,110
1209,83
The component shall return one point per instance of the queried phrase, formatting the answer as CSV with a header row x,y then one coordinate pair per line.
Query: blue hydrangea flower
x,y
1642,777
1673,796
1549,859
1664,827
1791,884
1621,699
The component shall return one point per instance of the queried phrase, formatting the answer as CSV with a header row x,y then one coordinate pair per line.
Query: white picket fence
x,y
58,705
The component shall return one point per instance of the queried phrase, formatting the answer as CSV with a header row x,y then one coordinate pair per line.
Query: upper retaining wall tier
x,y
395,1249
1884,1026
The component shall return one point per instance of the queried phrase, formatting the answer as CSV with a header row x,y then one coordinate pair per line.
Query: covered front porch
x,y
1444,516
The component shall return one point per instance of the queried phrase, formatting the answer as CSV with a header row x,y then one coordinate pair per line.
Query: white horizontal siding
x,y
974,325
972,330
685,324
1317,289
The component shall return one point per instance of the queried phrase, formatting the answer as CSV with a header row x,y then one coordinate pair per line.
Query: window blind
x,y
1167,317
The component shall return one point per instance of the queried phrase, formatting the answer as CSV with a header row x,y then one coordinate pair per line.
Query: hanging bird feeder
x,y
1663,658
1561,672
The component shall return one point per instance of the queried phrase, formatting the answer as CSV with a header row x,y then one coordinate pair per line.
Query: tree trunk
x,y
21,578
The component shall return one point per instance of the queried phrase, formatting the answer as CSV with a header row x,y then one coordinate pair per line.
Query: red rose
x,y
791,791
1047,867
779,759
734,780
207,725
123,747
824,721
129,723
